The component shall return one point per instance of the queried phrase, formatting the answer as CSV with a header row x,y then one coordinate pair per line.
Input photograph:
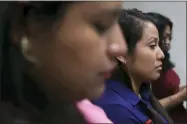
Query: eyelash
x,y
101,28
153,46
169,37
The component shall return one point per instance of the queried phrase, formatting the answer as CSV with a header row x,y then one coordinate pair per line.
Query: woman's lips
x,y
107,73
159,68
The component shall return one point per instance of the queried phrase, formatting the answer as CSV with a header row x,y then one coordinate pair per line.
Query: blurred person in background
x,y
167,88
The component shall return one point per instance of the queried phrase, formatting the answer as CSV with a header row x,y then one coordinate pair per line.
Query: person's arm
x,y
182,87
172,82
173,100
119,114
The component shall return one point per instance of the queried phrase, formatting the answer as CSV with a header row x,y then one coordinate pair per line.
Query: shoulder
x,y
111,94
115,94
171,72
171,77
109,97
119,114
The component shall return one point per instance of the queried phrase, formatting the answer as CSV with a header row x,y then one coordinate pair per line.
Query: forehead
x,y
150,30
168,29
94,7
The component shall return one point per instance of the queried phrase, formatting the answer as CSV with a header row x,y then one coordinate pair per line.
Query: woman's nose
x,y
117,46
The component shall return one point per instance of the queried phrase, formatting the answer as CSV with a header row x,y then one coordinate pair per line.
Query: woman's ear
x,y
122,59
26,49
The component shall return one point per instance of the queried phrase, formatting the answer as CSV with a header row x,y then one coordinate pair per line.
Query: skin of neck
x,y
136,84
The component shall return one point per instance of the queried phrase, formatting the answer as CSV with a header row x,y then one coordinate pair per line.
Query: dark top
x,y
123,106
166,85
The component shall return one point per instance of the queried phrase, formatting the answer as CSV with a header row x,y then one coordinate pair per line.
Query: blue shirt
x,y
123,106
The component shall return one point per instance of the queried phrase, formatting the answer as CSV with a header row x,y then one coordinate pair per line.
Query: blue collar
x,y
127,93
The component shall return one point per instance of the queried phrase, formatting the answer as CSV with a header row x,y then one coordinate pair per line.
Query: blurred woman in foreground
x,y
55,54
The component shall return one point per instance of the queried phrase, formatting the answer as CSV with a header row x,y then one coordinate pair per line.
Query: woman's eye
x,y
153,46
101,28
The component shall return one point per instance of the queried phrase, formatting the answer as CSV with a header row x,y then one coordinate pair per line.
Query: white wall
x,y
176,11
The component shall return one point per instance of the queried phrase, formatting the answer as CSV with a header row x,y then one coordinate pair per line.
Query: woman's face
x,y
72,60
146,61
167,38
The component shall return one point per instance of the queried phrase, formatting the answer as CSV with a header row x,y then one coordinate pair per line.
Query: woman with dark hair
x,y
54,56
166,88
165,26
128,98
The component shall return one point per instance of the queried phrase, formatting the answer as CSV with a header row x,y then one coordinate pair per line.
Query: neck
x,y
136,83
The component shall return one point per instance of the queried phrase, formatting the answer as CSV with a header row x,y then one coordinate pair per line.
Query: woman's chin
x,y
155,77
96,93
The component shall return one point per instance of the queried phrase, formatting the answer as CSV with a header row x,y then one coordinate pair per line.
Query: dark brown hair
x,y
19,92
